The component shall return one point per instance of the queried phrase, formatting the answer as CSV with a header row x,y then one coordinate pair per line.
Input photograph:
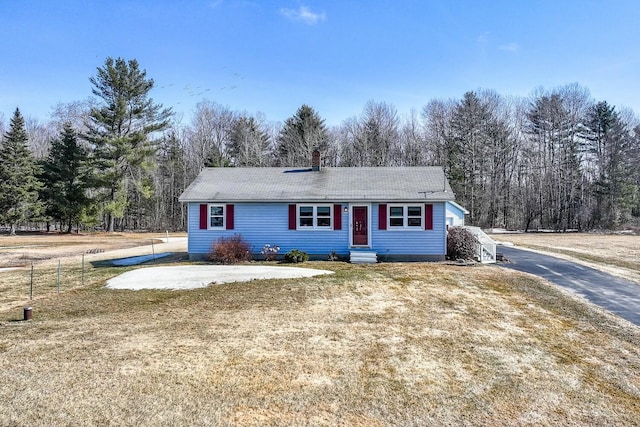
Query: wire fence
x,y
53,278
25,284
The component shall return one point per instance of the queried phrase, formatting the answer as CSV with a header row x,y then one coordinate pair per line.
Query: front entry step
x,y
361,257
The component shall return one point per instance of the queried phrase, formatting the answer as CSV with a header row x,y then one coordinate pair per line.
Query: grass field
x,y
617,254
24,249
46,251
387,344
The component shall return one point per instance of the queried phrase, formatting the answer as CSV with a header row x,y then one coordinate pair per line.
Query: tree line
x,y
119,161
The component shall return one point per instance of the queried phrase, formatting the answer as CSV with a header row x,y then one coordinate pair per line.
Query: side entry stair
x,y
486,251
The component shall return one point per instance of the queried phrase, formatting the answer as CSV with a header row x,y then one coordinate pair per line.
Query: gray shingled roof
x,y
366,184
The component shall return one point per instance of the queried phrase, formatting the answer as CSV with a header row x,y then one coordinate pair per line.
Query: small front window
x,y
414,216
396,216
306,216
216,216
323,216
314,216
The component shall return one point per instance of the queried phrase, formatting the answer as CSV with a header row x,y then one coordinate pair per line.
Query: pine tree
x,y
120,128
611,148
18,171
466,147
66,174
300,135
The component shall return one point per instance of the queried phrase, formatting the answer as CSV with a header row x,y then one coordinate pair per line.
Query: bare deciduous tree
x,y
209,134
40,136
249,143
436,121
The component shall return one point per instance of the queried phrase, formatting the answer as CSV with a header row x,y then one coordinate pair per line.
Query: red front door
x,y
360,226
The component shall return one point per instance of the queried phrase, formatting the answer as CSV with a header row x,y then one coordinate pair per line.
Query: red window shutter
x,y
292,217
382,216
229,215
428,217
204,216
337,217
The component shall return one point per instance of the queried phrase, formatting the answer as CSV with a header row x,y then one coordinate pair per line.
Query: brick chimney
x,y
315,160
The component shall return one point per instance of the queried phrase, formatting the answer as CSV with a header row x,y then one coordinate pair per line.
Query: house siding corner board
x,y
268,223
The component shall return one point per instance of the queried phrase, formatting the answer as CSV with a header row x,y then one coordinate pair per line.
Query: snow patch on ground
x,y
201,276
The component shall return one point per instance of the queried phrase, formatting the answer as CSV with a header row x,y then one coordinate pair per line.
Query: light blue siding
x,y
455,214
410,242
268,223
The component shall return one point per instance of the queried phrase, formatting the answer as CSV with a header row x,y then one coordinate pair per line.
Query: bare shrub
x,y
230,250
461,243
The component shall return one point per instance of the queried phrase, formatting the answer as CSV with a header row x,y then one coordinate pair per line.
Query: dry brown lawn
x,y
23,249
614,253
46,251
387,344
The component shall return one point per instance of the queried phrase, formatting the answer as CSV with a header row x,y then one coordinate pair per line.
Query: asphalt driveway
x,y
617,295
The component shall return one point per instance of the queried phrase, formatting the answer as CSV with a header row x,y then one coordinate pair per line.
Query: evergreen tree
x,y
466,147
120,128
611,149
477,148
19,185
66,174
299,136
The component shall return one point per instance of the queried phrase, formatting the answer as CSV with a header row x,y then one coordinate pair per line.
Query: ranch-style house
x,y
359,213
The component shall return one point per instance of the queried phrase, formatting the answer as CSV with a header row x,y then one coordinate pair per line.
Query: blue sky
x,y
273,56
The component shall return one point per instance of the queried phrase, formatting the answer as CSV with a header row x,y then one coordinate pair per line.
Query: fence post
x,y
82,282
59,267
31,284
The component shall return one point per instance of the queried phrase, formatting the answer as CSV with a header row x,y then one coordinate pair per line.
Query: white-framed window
x,y
315,217
216,216
407,217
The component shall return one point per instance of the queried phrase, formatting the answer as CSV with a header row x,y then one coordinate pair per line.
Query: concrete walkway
x,y
617,295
